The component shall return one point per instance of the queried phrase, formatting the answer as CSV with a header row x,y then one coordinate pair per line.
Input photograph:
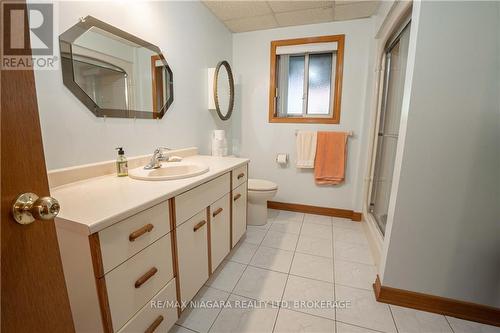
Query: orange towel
x,y
331,152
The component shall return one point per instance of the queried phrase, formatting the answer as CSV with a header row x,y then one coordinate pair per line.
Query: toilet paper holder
x,y
282,159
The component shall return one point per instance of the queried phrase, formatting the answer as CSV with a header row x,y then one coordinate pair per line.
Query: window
x,y
306,80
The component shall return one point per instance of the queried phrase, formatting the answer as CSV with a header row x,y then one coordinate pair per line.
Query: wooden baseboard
x,y
430,303
335,212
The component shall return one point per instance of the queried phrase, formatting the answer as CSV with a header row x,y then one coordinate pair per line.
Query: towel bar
x,y
349,133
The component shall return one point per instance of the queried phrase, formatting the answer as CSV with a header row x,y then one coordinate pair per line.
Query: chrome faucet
x,y
158,156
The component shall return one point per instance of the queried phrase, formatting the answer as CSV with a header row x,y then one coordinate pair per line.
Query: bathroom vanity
x,y
135,251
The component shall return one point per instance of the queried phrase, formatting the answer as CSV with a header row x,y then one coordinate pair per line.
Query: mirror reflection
x,y
113,73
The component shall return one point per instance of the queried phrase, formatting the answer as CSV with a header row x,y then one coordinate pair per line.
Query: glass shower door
x,y
388,128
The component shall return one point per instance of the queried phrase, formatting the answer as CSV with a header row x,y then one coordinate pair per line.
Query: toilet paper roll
x,y
282,159
219,134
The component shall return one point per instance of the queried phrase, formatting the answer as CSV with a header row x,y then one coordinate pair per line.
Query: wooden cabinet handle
x,y
199,225
140,281
154,325
217,212
241,175
139,232
236,197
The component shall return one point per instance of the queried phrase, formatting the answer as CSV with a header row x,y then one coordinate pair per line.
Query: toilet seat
x,y
261,185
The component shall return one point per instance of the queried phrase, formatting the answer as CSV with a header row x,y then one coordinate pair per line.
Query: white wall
x,y
444,235
261,140
192,39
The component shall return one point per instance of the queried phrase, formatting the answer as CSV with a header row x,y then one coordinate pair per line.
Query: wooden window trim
x,y
336,89
156,83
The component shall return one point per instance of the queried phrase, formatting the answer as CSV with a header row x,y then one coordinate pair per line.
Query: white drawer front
x,y
191,202
192,246
124,295
220,230
239,202
240,176
159,311
126,238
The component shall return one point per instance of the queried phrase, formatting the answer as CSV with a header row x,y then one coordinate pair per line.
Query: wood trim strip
x,y
102,294
100,282
436,304
336,89
230,210
209,242
154,82
335,212
95,253
175,256
339,73
357,216
246,204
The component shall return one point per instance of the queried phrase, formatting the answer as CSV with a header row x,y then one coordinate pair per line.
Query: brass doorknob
x,y
28,207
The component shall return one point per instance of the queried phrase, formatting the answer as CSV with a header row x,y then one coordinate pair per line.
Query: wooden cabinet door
x,y
239,212
220,220
192,247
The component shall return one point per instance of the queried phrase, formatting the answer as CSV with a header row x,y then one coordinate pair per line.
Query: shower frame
x,y
397,18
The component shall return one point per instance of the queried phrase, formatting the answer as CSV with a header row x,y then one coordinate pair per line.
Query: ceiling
x,y
241,16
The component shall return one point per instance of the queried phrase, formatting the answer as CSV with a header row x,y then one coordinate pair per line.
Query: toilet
x,y
259,192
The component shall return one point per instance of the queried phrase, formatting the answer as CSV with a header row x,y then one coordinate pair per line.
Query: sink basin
x,y
169,171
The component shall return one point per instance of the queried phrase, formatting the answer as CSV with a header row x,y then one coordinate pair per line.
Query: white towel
x,y
306,149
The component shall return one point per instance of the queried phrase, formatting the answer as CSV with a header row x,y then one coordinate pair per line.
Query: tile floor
x,y
293,261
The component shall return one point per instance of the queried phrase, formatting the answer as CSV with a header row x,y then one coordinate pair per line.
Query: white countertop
x,y
93,204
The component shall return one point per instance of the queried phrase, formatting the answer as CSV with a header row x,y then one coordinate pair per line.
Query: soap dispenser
x,y
121,163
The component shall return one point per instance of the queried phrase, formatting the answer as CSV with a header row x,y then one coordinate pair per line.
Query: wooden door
x,y
33,291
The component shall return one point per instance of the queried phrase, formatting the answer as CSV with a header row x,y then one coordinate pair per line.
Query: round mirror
x,y
224,90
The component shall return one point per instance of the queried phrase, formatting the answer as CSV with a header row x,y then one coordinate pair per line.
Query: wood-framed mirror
x,y
113,73
223,90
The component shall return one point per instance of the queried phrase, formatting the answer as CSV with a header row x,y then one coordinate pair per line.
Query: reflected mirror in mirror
x,y
224,90
114,73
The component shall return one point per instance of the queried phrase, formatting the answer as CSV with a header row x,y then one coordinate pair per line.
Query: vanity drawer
x,y
240,176
126,238
160,312
191,202
239,202
192,257
132,284
220,224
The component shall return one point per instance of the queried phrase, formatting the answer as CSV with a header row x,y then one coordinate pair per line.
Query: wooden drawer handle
x,y
154,325
217,212
241,175
199,225
236,197
140,281
139,232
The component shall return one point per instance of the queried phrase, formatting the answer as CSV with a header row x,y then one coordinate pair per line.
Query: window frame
x,y
336,93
